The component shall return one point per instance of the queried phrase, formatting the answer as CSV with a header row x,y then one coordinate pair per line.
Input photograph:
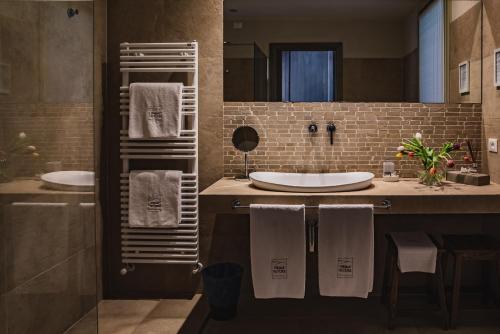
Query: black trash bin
x,y
221,284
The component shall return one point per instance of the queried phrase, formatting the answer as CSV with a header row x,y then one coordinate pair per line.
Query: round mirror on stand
x,y
245,139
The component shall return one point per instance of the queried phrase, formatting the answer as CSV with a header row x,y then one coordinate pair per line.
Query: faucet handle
x,y
313,128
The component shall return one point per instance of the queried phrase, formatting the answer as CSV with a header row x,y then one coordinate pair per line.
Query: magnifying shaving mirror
x,y
245,139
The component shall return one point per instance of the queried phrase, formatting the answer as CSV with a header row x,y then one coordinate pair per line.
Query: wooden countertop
x,y
33,191
407,196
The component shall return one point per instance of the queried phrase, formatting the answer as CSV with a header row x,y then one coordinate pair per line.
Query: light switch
x,y
493,145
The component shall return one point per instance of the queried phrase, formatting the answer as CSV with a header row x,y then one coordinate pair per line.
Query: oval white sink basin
x,y
69,180
312,183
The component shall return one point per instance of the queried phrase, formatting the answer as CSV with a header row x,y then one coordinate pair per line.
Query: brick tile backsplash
x,y
367,134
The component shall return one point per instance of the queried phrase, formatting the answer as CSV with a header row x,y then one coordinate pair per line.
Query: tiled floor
x,y
315,315
342,316
137,317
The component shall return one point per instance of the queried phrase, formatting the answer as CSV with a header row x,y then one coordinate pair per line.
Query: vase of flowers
x,y
433,161
18,148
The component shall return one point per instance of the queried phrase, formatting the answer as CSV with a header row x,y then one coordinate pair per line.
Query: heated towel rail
x,y
178,245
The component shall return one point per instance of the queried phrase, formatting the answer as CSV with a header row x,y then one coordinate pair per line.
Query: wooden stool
x,y
390,290
477,247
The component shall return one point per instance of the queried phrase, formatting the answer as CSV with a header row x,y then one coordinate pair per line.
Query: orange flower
x,y
433,171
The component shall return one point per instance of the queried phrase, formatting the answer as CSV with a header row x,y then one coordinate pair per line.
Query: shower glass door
x,y
47,231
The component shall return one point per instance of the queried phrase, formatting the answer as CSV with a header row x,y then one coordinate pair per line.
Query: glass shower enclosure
x,y
47,230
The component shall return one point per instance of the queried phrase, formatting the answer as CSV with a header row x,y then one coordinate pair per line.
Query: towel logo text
x,y
155,113
279,268
154,203
345,267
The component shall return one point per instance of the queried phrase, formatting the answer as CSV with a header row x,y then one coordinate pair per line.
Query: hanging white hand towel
x,y
154,198
416,252
345,250
154,110
278,250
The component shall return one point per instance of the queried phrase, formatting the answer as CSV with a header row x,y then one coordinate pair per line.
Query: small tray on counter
x,y
473,179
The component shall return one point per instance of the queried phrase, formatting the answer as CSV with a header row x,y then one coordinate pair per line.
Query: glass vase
x,y
5,172
431,179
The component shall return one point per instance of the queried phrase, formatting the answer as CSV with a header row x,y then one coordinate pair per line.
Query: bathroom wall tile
x,y
20,49
66,52
465,37
373,79
492,130
54,300
465,45
491,24
491,95
40,236
3,315
367,134
3,269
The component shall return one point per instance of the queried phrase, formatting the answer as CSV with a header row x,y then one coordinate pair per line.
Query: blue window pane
x,y
308,76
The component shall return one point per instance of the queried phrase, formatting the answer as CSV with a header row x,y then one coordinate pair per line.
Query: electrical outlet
x,y
493,145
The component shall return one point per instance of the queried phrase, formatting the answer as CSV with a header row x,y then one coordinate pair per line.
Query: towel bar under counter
x,y
385,204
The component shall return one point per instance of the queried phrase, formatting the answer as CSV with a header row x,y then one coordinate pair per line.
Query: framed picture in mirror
x,y
463,77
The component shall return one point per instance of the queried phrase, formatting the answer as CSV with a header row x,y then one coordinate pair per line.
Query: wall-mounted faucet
x,y
72,12
331,128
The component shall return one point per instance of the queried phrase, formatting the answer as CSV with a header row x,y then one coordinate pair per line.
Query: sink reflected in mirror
x,y
69,180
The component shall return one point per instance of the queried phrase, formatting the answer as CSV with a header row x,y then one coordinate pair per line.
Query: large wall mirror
x,y
352,50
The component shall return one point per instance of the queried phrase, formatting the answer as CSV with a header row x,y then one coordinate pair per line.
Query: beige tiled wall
x,y
465,45
491,94
367,134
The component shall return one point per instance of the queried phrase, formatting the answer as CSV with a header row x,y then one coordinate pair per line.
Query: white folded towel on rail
x,y
416,252
278,250
154,198
154,110
345,250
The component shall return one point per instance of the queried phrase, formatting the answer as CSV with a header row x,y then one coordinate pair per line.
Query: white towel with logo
x,y
416,252
154,198
278,250
154,110
345,250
